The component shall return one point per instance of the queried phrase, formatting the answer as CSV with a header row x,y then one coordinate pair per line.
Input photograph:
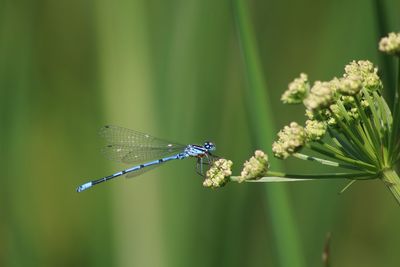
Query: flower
x,y
291,138
364,71
390,44
321,95
255,168
297,91
217,175
315,130
350,85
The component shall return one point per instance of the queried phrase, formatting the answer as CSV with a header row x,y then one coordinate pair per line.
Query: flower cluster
x,y
219,173
298,90
362,74
328,103
349,126
350,85
315,130
321,95
255,168
390,44
291,138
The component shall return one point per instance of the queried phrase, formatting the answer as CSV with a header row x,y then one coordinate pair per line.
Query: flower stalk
x,y
392,181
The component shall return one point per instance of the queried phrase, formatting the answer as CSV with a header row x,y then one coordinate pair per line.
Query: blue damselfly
x,y
132,147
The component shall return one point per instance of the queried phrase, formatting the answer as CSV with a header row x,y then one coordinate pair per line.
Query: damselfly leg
x,y
204,163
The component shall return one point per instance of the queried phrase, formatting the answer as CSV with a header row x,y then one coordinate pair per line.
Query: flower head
x,y
350,85
256,167
321,95
390,44
363,71
217,175
315,130
297,91
290,139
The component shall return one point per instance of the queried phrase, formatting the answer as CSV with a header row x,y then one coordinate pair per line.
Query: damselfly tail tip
x,y
84,187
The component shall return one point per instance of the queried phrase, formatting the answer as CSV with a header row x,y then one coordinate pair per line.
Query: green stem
x,y
371,131
360,164
353,176
375,118
350,176
331,148
392,182
325,161
353,139
348,148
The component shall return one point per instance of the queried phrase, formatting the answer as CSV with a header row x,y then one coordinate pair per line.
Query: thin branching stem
x,y
346,146
374,137
333,149
352,176
347,118
375,117
353,139
355,164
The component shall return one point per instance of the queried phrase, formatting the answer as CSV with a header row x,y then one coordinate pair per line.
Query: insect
x,y
132,147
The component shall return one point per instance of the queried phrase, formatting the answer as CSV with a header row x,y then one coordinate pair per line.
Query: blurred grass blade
x,y
386,66
258,113
326,254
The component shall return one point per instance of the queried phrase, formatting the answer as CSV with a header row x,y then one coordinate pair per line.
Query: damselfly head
x,y
209,146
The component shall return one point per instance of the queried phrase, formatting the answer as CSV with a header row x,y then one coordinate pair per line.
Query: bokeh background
x,y
178,70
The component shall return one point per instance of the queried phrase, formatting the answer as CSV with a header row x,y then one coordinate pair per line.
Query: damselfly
x,y
129,146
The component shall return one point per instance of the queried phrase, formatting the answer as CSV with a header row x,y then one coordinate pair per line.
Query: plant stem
x,y
359,163
392,181
355,176
326,162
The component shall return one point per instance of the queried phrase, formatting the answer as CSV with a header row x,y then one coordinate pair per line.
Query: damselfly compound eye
x,y
209,146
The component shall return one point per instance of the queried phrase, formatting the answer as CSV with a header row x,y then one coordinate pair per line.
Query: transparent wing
x,y
137,154
129,146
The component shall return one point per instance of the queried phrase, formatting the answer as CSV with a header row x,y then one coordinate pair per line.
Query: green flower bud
x,y
353,113
331,122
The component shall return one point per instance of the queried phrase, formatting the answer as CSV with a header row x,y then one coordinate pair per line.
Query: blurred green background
x,y
175,69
